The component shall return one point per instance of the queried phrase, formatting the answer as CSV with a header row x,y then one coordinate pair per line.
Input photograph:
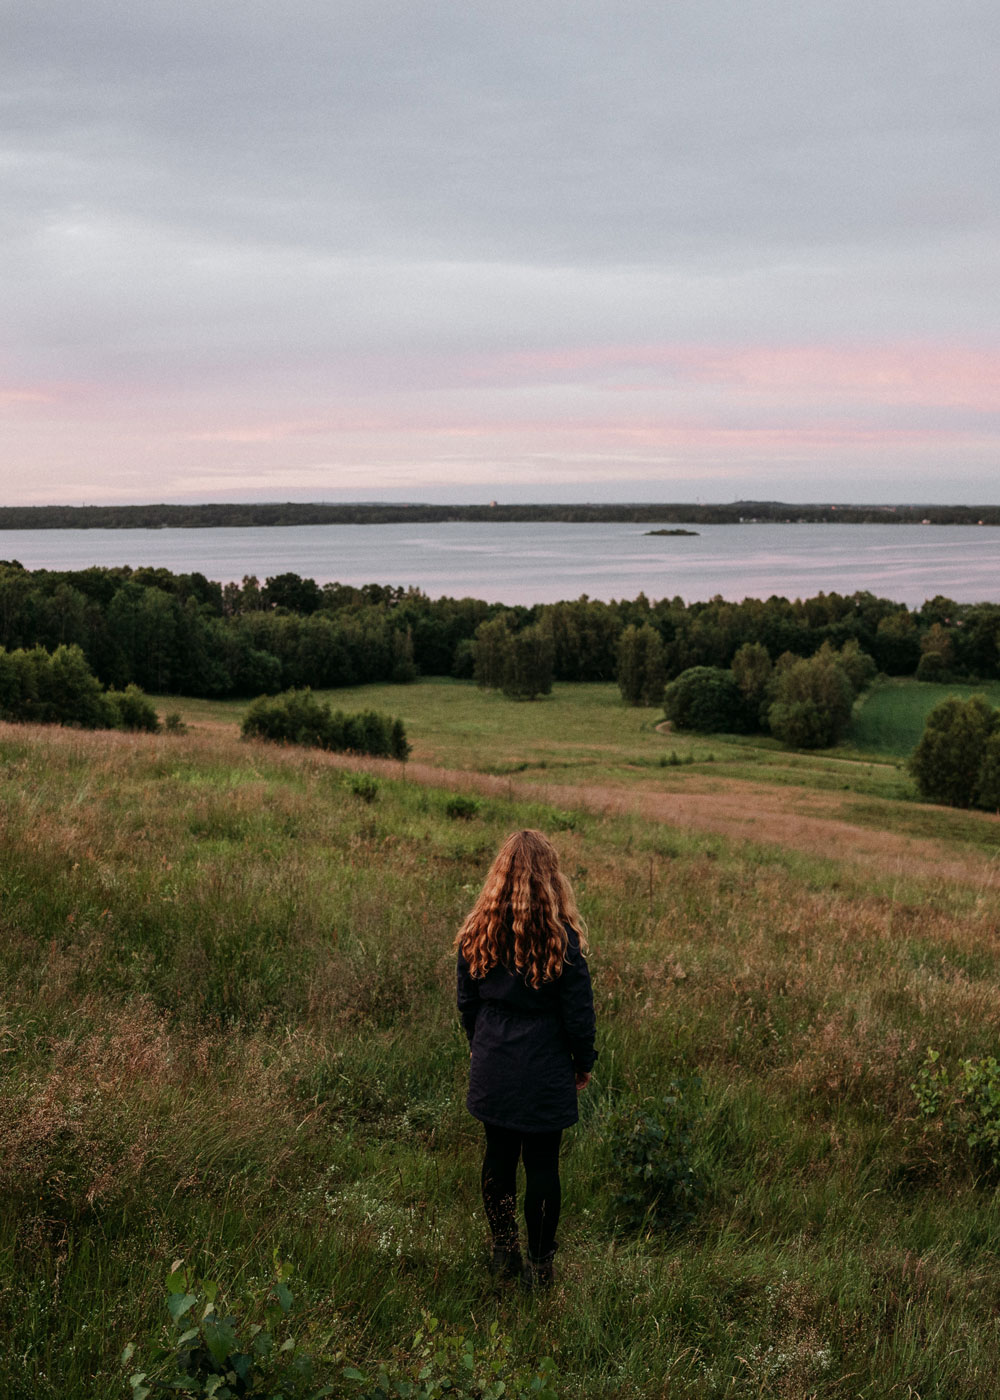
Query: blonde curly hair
x,y
526,896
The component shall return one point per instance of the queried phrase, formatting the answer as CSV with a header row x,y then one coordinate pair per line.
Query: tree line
x,y
58,687
185,634
268,513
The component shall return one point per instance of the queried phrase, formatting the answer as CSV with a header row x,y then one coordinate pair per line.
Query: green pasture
x,y
228,1030
581,733
890,718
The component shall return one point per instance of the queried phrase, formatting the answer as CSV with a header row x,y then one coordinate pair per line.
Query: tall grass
x,y
228,1028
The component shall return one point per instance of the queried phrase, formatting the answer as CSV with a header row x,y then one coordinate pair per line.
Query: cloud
x,y
234,228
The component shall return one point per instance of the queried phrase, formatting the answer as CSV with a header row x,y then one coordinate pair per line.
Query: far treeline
x,y
154,517
183,634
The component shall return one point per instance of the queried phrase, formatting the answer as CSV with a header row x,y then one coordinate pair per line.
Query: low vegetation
x,y
298,717
229,1035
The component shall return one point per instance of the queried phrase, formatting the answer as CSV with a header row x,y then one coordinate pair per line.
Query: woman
x,y
525,1000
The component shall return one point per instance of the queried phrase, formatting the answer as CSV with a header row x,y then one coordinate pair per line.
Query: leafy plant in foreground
x,y
244,1349
651,1146
444,1362
964,1106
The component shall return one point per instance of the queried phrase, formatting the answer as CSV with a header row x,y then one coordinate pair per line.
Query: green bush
x,y
957,760
963,1107
461,808
933,668
707,699
651,1144
130,709
812,701
364,786
247,1349
297,717
242,1349
987,790
58,687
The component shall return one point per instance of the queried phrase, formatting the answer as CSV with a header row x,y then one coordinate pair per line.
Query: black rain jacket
x,y
528,1044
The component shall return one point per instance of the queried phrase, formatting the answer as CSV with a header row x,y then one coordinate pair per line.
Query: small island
x,y
672,532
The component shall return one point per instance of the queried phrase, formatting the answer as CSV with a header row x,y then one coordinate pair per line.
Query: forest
x,y
242,515
184,634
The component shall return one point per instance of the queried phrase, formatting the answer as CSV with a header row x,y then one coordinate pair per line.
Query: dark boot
x,y
539,1274
506,1263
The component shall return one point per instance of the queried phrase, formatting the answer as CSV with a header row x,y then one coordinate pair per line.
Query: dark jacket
x,y
528,1045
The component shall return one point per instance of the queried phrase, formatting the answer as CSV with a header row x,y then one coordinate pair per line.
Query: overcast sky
x,y
662,250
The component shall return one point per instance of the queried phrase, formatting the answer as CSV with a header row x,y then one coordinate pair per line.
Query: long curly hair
x,y
523,908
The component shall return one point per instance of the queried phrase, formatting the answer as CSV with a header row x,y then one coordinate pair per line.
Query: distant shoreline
x,y
248,515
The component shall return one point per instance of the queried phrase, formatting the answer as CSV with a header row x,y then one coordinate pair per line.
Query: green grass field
x,y
580,733
228,1030
890,719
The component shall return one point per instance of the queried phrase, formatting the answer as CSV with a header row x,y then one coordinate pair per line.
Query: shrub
x,y
363,785
461,808
937,655
956,760
858,665
987,791
651,1148
963,1107
896,644
131,709
297,717
174,724
242,1349
707,699
41,687
933,668
812,701
247,1349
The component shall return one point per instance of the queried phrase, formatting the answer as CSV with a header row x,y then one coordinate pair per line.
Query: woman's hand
x,y
582,1080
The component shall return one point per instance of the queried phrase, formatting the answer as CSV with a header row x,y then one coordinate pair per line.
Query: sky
x,y
636,250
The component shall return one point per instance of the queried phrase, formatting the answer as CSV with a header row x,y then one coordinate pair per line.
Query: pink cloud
x,y
904,374
13,398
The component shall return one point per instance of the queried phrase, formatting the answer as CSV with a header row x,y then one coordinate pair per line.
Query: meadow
x,y
228,1032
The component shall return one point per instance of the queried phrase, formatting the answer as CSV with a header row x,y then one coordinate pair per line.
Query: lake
x,y
538,563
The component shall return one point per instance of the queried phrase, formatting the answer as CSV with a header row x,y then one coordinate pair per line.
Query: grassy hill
x,y
228,1030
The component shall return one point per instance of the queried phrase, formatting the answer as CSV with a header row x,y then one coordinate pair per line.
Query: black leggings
x,y
542,1196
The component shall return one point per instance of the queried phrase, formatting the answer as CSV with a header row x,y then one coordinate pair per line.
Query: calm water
x,y
547,562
